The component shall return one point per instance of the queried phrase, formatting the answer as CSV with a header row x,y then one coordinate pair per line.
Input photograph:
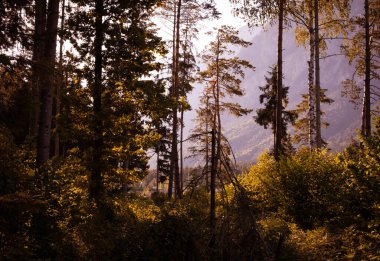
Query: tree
x,y
184,18
306,16
224,72
279,120
201,134
267,116
117,53
302,124
96,186
38,47
47,83
262,11
363,49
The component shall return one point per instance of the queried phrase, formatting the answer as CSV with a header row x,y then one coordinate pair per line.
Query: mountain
x,y
249,139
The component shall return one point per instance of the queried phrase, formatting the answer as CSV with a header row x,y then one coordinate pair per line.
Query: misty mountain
x,y
247,138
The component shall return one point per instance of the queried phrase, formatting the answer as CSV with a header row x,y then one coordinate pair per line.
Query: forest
x,y
94,145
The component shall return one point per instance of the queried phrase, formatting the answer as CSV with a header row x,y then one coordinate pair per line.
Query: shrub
x,y
305,186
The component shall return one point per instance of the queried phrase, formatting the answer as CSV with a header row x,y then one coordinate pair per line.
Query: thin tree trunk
x,y
278,140
96,186
363,123
47,84
217,112
175,109
38,52
172,164
212,192
181,150
317,78
207,141
60,84
158,167
367,82
311,63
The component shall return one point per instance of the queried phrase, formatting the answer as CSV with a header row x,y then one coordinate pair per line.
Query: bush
x,y
305,187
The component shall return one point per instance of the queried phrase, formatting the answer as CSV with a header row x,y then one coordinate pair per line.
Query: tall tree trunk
x,y
217,111
175,107
157,167
366,131
172,94
318,134
207,143
47,84
60,84
212,191
181,149
278,139
38,52
311,63
96,185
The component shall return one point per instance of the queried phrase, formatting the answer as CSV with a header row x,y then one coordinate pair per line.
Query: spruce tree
x,y
267,116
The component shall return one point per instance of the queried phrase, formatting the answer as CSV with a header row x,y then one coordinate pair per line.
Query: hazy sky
x,y
227,18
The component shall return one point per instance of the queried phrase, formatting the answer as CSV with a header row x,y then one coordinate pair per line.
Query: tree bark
x,y
366,119
318,134
207,142
47,84
157,168
218,126
181,149
311,63
38,52
96,186
278,138
60,84
212,192
177,186
172,94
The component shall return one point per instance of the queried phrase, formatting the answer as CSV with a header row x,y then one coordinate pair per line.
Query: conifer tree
x,y
263,11
267,116
118,57
183,17
224,72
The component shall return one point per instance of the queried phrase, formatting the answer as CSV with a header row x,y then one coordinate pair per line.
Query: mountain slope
x,y
249,139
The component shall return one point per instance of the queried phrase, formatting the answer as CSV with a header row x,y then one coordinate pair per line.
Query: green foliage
x,y
312,205
304,186
13,172
267,116
302,125
15,101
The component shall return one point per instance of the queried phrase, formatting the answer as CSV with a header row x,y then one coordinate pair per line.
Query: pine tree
x,y
183,17
267,116
117,57
263,11
201,136
224,72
